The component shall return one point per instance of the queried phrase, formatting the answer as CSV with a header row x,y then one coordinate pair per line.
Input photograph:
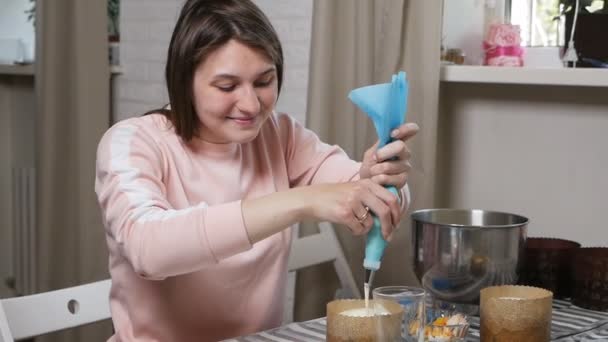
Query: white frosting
x,y
377,310
511,298
457,319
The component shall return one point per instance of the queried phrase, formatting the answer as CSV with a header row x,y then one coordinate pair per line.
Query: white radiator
x,y
24,230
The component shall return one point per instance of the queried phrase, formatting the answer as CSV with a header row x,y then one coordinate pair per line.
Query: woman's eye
x,y
226,88
264,83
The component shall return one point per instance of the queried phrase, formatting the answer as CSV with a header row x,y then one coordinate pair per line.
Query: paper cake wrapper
x,y
503,35
341,328
590,267
547,264
502,46
515,313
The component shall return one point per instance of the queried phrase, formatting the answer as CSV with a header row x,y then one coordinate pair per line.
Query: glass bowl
x,y
443,326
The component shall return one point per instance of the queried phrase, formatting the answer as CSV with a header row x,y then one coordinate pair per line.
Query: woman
x,y
197,197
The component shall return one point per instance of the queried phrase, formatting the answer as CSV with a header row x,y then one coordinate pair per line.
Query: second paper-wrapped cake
x,y
502,46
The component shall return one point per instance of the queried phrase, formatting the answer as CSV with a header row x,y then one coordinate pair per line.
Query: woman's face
x,y
235,90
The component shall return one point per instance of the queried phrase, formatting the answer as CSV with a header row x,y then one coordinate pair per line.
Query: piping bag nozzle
x,y
386,105
369,277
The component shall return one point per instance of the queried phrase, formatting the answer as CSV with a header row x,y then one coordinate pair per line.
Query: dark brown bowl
x,y
590,267
547,264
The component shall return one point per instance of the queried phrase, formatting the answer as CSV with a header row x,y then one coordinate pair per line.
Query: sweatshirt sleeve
x,y
158,240
311,161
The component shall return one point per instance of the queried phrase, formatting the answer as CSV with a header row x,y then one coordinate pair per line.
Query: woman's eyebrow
x,y
235,77
267,71
229,76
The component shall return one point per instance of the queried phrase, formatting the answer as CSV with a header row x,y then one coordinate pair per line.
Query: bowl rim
x,y
418,216
412,291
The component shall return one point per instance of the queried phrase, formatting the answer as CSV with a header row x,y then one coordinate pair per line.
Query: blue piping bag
x,y
386,105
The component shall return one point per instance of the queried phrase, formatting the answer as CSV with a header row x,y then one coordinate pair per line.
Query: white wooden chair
x,y
37,314
317,249
5,332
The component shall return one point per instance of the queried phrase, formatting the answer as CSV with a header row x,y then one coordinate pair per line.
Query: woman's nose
x,y
248,101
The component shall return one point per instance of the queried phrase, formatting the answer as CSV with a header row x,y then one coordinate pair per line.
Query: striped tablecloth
x,y
570,323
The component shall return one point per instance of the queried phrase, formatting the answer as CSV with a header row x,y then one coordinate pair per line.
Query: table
x,y
570,324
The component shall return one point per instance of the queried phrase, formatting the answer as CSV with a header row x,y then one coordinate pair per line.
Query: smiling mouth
x,y
243,120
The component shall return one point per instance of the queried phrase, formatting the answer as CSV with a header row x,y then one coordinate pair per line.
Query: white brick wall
x,y
146,27
292,20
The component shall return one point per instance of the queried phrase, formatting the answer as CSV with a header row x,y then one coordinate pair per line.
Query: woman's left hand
x,y
390,164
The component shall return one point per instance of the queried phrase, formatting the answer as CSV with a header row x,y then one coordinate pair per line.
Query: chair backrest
x,y
37,314
317,249
5,332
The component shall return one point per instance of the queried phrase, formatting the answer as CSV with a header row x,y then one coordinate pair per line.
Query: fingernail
x,y
389,238
394,133
375,157
414,126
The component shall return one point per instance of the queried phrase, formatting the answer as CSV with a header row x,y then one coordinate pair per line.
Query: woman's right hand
x,y
352,204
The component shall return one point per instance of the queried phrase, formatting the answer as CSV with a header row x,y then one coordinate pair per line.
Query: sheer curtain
x,y
72,85
357,43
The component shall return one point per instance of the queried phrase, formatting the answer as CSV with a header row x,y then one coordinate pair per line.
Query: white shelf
x,y
15,69
116,69
582,77
28,69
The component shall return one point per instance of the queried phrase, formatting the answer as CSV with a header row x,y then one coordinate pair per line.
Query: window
x,y
543,22
17,36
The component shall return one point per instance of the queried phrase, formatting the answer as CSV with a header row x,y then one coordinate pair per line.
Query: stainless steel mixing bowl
x,y
459,252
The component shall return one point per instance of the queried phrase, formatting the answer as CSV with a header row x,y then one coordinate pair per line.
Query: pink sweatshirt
x,y
182,266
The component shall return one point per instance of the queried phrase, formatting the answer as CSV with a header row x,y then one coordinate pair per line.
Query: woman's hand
x,y
352,204
390,165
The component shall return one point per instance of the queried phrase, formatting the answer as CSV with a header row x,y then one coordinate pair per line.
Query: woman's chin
x,y
244,137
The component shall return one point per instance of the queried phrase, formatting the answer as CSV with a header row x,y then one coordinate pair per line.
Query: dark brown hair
x,y
202,27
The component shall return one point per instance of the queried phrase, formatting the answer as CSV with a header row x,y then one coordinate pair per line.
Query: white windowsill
x,y
28,69
15,69
582,77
